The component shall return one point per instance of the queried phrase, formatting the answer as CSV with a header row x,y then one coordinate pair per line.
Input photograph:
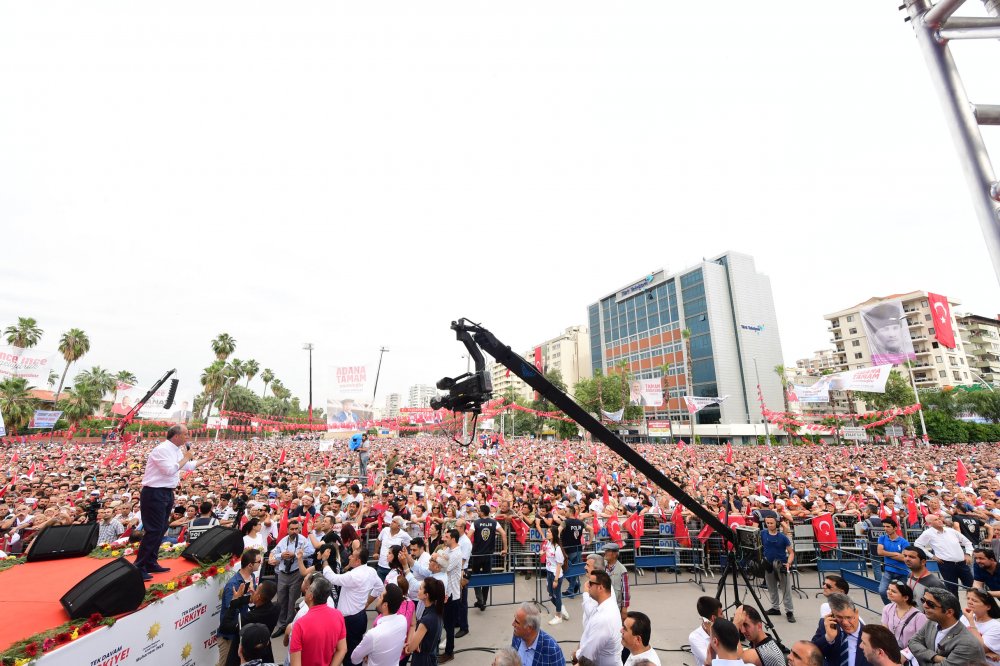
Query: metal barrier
x,y
499,575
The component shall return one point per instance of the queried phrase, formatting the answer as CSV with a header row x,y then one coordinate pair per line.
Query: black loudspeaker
x,y
60,541
113,589
215,544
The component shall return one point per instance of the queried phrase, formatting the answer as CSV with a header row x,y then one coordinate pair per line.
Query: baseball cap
x,y
611,545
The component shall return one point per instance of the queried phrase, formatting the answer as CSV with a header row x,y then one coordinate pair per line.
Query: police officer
x,y
484,544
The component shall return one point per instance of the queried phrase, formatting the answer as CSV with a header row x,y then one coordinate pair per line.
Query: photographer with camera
x,y
778,557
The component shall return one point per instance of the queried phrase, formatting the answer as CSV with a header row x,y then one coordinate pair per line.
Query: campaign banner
x,y
614,416
658,428
217,422
871,380
349,405
127,396
31,364
888,335
3,427
421,415
818,392
44,419
178,630
646,392
696,403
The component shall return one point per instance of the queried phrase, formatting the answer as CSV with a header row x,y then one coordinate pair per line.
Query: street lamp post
x,y
913,383
381,352
309,347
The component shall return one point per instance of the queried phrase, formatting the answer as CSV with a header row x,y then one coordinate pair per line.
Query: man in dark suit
x,y
957,645
839,633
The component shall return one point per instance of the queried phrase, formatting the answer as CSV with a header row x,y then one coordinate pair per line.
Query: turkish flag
x,y
912,514
941,312
283,525
681,534
281,459
62,461
597,525
762,489
824,532
729,453
635,526
962,475
615,530
520,530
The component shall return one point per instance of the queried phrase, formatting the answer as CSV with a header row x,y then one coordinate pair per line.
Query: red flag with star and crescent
x,y
520,530
615,530
634,524
912,513
962,475
729,453
681,534
941,312
824,532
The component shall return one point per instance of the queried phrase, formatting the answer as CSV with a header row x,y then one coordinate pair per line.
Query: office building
x,y
728,307
421,394
392,404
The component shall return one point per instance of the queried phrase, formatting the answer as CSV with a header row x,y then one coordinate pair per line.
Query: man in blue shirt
x,y
534,646
249,566
985,572
778,558
890,548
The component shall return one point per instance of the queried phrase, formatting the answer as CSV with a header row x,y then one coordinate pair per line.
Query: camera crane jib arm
x,y
469,394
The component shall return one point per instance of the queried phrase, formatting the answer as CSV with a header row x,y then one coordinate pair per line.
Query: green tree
x,y
983,403
126,377
212,378
272,406
99,378
941,401
52,379
73,344
223,346
944,429
250,370
242,399
81,402
24,334
16,403
267,377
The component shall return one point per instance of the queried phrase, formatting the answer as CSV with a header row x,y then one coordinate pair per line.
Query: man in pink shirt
x,y
319,638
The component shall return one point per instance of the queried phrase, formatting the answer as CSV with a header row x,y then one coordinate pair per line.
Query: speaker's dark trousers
x,y
289,591
356,626
155,506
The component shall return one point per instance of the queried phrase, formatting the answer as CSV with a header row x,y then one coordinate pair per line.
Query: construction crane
x,y
935,27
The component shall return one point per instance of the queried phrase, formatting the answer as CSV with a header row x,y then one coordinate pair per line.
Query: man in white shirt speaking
x,y
156,501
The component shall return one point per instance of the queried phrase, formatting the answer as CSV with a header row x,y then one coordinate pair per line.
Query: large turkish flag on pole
x,y
941,312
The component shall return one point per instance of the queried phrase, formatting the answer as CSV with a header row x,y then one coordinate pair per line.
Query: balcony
x,y
834,325
918,337
925,380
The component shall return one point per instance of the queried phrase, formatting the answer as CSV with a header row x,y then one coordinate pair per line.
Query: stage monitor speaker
x,y
215,544
113,589
60,541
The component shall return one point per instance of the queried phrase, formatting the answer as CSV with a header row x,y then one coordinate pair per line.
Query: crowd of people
x,y
327,542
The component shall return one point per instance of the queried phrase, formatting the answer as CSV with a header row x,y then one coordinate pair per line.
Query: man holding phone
x,y
156,501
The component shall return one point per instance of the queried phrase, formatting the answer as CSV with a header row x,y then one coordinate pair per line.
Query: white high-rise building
x,y
393,402
421,394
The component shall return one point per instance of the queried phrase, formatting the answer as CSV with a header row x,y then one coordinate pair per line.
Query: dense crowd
x,y
329,537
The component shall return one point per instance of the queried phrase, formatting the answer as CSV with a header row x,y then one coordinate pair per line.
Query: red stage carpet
x,y
30,593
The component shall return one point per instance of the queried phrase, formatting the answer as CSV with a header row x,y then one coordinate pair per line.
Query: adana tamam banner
x,y
31,364
888,335
350,402
871,379
44,419
696,403
646,392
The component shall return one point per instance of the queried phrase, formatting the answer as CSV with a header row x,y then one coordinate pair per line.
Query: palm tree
x,y
16,403
126,377
780,371
223,346
212,378
81,402
53,378
250,370
267,376
24,334
689,380
73,344
99,378
279,390
236,369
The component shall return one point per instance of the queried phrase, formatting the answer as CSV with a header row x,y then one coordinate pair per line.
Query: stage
x,y
30,592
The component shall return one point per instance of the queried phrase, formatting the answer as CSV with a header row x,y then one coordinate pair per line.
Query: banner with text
x,y
127,395
421,415
646,392
888,335
32,364
871,379
179,630
697,403
818,392
658,428
349,405
43,419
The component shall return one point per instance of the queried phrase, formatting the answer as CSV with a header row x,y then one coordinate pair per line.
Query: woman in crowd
x,y
554,561
423,640
901,615
395,566
980,616
252,537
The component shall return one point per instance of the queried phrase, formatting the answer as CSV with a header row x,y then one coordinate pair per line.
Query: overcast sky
x,y
359,175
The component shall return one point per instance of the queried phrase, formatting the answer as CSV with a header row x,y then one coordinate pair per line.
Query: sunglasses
x,y
930,604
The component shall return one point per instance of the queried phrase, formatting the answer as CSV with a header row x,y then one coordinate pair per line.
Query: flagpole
x,y
767,431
